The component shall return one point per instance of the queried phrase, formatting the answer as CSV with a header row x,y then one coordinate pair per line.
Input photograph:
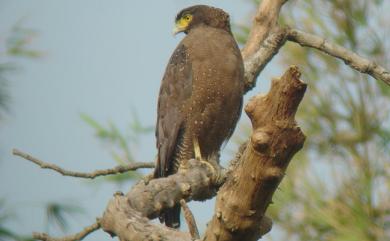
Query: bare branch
x,y
256,62
189,217
92,175
265,20
75,237
350,58
264,40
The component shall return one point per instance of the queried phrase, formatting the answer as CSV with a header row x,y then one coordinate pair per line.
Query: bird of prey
x,y
200,98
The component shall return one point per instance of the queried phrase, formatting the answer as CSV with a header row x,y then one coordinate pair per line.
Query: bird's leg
x,y
198,154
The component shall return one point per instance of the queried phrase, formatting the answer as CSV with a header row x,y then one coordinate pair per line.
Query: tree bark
x,y
265,20
247,192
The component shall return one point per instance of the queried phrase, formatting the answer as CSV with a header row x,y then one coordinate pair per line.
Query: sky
x,y
101,58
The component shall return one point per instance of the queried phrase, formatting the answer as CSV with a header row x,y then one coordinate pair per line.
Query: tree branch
x,y
264,40
350,58
92,175
121,220
247,192
189,217
265,20
75,237
125,214
256,62
194,181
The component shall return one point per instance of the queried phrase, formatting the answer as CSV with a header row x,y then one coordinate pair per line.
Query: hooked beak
x,y
177,29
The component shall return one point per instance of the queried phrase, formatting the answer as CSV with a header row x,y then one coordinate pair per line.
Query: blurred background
x,y
79,82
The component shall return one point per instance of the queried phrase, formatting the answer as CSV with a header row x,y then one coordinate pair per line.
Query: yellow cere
x,y
182,23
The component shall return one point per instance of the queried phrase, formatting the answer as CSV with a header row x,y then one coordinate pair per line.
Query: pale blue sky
x,y
102,58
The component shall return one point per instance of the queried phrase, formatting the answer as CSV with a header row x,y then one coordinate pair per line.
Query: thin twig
x,y
189,217
92,175
75,237
350,58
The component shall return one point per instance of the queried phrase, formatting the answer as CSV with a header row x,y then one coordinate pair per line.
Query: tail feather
x,y
171,217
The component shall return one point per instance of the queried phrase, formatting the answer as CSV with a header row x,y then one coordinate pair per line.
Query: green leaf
x,y
57,214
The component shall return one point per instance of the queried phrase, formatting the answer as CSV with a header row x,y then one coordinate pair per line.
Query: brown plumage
x,y
201,93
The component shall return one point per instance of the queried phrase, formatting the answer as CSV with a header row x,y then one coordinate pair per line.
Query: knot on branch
x,y
260,141
252,104
273,174
265,225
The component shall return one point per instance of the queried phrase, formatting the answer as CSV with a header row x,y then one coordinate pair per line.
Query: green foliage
x,y
19,40
337,187
5,233
57,213
122,144
16,45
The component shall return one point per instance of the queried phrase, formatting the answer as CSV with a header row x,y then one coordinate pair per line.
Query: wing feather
x,y
175,90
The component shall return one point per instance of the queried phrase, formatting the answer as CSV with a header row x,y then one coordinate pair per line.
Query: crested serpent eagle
x,y
200,98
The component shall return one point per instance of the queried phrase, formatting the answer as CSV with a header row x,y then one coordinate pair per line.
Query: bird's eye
x,y
187,17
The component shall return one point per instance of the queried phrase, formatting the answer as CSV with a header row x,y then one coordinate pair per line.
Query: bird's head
x,y
197,15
